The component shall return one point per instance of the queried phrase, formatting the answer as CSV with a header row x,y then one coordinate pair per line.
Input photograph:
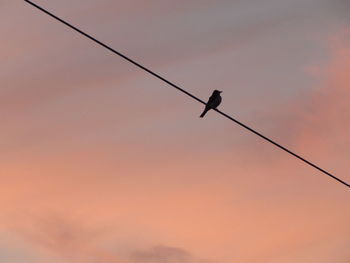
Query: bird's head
x,y
217,91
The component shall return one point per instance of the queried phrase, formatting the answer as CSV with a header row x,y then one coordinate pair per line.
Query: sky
x,y
101,162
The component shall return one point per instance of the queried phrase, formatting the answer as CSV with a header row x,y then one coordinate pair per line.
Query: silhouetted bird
x,y
213,102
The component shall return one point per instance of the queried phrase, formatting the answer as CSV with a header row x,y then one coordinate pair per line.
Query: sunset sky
x,y
102,163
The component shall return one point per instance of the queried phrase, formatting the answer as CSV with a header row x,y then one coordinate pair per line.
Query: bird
x,y
213,102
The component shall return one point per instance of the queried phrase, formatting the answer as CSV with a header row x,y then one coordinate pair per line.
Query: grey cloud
x,y
76,242
164,254
66,238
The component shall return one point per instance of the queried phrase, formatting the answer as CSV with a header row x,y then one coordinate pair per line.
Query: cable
x,y
186,92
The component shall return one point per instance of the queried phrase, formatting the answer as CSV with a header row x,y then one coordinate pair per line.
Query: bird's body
x,y
213,102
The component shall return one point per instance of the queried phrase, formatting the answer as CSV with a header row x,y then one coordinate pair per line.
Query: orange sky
x,y
102,163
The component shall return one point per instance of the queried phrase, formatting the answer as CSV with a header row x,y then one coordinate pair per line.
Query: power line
x,y
186,92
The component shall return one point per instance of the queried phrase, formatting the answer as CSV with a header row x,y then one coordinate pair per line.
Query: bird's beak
x,y
220,91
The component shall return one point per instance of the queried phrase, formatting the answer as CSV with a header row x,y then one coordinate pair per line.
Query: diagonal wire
x,y
187,93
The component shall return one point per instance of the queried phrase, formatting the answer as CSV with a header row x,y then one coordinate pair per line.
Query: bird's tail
x,y
204,112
